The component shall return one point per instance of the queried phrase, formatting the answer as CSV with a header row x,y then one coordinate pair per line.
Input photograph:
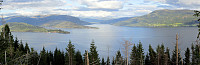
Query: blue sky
x,y
99,9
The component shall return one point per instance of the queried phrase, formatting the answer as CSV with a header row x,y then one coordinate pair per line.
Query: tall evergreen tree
x,y
133,55
167,57
108,61
140,54
118,58
43,59
152,55
26,49
102,62
79,60
16,44
147,60
113,61
34,57
187,57
93,55
71,53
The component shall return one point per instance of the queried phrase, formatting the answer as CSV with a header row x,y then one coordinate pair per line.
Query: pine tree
x,y
58,57
173,59
113,61
27,48
193,55
102,62
167,57
147,60
140,54
16,44
133,55
108,61
118,58
79,60
152,55
43,59
187,57
71,53
93,55
34,57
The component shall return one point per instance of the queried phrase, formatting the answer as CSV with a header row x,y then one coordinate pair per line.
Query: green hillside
x,y
24,27
66,24
159,18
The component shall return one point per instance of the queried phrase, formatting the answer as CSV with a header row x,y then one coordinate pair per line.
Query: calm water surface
x,y
112,37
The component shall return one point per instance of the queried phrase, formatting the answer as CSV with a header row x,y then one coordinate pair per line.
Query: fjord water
x,y
112,37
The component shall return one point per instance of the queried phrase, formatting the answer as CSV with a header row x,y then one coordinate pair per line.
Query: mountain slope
x,y
115,20
162,18
24,27
42,19
65,24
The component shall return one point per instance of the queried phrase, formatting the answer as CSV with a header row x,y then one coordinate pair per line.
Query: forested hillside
x,y
160,18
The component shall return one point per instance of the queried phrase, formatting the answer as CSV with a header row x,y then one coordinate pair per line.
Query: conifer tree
x,y
108,61
140,54
27,48
34,57
79,60
118,58
16,44
113,61
43,59
102,62
133,55
187,57
93,55
147,60
167,57
71,53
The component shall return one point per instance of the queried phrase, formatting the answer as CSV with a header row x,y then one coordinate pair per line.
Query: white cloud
x,y
187,4
101,4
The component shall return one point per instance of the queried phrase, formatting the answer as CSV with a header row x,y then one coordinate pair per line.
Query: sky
x,y
96,9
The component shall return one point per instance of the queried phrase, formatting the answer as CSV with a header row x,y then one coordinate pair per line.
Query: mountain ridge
x,y
162,18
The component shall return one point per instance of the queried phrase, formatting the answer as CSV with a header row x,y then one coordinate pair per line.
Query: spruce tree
x,y
93,55
152,55
16,44
118,58
79,60
140,54
147,60
133,55
71,53
167,57
108,61
102,62
27,48
187,57
43,59
113,61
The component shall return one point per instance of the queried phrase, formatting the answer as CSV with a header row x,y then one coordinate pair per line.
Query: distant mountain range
x,y
160,18
46,19
112,21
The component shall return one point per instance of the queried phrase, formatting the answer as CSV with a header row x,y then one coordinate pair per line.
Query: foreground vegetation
x,y
16,53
